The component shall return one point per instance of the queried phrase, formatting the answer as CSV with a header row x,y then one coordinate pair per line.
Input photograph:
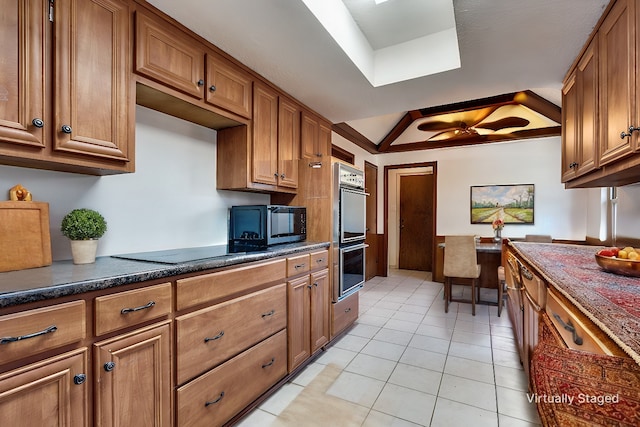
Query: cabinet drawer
x,y
298,265
344,313
535,287
577,331
319,260
210,336
217,286
129,308
42,329
218,395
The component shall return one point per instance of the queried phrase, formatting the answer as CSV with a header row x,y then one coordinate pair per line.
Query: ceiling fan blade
x,y
438,125
456,134
456,120
507,122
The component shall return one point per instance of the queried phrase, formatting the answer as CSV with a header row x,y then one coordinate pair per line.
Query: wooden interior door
x,y
371,187
416,215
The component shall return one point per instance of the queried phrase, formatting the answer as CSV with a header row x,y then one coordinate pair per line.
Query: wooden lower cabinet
x,y
216,396
133,378
343,314
53,392
308,316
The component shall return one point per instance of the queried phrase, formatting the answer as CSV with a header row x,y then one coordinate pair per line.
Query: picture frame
x,y
513,203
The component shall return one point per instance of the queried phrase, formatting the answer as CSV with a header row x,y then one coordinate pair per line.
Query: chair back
x,y
460,257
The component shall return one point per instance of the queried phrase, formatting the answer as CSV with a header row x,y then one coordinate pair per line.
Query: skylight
x,y
429,48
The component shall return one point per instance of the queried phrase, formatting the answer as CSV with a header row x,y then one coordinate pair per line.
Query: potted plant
x,y
83,227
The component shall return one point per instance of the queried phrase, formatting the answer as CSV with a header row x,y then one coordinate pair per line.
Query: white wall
x,y
170,201
558,212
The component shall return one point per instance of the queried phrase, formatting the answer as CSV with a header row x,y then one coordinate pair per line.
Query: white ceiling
x,y
505,46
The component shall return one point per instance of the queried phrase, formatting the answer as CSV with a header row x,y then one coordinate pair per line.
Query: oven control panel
x,y
350,177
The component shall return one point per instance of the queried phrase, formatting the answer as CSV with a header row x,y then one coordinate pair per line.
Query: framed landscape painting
x,y
514,204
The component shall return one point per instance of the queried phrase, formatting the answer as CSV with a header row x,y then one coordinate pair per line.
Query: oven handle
x,y
353,247
355,191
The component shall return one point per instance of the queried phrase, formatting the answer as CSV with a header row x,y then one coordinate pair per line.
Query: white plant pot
x,y
84,251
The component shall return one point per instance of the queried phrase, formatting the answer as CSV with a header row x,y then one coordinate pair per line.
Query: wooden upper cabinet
x,y
228,86
92,87
288,143
276,139
166,55
265,135
618,55
315,137
22,83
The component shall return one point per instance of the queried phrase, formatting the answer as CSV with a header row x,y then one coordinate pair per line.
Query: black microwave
x,y
256,227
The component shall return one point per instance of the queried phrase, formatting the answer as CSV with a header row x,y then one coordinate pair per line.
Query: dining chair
x,y
460,265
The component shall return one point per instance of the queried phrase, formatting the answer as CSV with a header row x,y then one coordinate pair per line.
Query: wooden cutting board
x,y
24,235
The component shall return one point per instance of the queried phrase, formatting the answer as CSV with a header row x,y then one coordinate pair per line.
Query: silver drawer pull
x,y
50,329
569,327
142,307
273,360
299,266
271,313
217,337
213,402
526,273
348,310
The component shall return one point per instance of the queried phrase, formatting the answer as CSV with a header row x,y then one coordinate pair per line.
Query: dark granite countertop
x,y
610,300
64,278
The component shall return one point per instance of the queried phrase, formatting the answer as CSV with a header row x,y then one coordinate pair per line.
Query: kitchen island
x,y
577,328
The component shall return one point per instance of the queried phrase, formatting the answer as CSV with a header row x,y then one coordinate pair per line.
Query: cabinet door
x,y
92,66
298,321
530,330
315,137
569,127
228,86
587,82
133,374
168,56
319,309
288,143
617,81
265,135
53,393
22,75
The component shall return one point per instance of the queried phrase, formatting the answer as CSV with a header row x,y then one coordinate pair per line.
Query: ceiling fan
x,y
465,124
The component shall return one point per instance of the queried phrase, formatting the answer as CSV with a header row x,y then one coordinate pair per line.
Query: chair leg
x,y
447,292
473,298
500,294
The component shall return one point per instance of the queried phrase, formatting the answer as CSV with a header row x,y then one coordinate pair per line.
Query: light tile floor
x,y
408,363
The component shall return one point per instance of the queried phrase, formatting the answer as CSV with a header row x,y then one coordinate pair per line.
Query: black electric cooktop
x,y
178,256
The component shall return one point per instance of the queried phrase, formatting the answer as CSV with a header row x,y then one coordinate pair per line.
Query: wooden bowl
x,y
625,267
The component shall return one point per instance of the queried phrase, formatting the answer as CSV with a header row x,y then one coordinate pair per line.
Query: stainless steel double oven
x,y
349,229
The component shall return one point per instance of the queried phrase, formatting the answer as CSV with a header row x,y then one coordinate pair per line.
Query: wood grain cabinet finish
x,y
617,38
22,77
41,329
319,259
215,397
133,378
70,108
166,55
208,337
601,116
228,87
343,314
125,309
315,137
308,311
298,265
53,392
175,59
